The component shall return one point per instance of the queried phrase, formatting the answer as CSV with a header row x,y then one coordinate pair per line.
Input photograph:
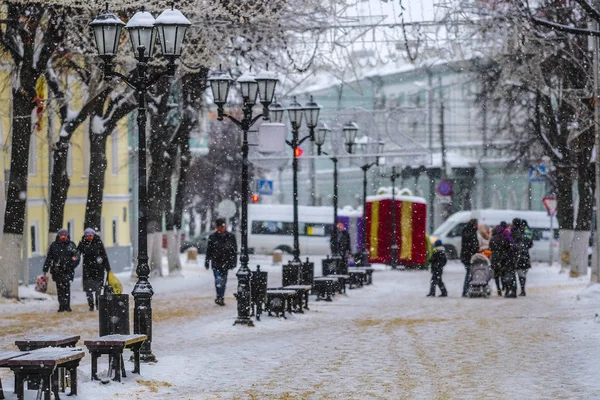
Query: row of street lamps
x,y
171,26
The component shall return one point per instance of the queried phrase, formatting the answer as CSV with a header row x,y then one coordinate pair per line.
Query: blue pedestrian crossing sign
x,y
537,173
265,187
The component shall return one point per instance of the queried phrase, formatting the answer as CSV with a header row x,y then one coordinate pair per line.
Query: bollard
x,y
277,256
192,254
258,288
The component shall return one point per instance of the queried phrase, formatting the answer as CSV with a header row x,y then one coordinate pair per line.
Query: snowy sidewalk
x,y
385,341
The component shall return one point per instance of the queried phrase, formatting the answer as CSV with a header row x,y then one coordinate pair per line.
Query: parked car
x,y
200,242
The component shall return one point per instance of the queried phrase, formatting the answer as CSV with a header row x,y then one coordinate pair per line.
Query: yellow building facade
x,y
115,225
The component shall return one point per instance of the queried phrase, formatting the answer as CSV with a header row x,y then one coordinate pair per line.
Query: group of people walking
x,y
63,258
509,246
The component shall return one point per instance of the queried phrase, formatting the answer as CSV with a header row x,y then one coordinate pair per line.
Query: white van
x,y
451,230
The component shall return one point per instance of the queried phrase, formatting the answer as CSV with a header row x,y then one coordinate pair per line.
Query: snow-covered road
x,y
385,341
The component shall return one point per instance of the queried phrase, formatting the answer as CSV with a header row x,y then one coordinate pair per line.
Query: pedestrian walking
x,y
61,260
469,247
503,248
485,234
344,246
221,254
522,235
95,263
438,261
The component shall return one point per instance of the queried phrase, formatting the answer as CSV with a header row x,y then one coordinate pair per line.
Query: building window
x,y
33,155
115,152
70,228
102,229
35,239
124,214
86,156
70,160
115,238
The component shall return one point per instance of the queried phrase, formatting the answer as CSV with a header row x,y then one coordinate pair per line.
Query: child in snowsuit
x,y
438,261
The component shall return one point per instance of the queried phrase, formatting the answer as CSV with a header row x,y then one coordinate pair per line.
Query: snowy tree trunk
x,y
173,243
9,264
51,284
155,253
93,207
59,188
579,257
564,247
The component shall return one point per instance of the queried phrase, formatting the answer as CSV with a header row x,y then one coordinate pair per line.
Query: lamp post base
x,y
364,259
394,255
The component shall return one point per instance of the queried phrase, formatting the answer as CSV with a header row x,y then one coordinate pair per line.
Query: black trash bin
x,y
113,314
258,288
289,274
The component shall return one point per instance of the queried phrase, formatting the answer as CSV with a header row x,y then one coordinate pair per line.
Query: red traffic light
x,y
255,198
298,152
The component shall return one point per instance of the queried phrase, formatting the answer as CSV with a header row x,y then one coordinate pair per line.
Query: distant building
x,y
435,107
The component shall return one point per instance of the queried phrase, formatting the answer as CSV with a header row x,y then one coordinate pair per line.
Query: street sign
x,y
265,187
271,137
226,208
551,204
537,173
445,188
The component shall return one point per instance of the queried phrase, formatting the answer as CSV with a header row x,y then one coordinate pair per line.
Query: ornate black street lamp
x,y
350,130
262,85
394,248
171,26
295,114
368,148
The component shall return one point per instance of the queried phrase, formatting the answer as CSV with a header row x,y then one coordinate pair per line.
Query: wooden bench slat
x,y
115,340
47,356
47,340
7,355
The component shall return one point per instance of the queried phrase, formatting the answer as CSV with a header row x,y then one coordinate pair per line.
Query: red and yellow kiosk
x,y
411,223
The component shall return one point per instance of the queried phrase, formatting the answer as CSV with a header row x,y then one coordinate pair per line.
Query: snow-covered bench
x,y
113,345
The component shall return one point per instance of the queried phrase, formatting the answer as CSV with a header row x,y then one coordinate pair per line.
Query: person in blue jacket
x,y
438,261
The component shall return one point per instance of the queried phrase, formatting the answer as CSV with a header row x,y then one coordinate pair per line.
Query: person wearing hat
x,y
61,260
221,254
438,261
95,262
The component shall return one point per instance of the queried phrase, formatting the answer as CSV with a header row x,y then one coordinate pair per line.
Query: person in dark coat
x,y
221,254
503,249
344,244
61,260
468,248
438,261
95,263
522,235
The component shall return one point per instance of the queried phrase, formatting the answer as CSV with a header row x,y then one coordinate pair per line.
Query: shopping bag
x,y
114,282
41,284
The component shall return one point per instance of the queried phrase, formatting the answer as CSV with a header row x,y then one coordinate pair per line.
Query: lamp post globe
x,y
321,135
350,131
141,27
172,26
276,112
267,81
248,87
142,35
220,82
107,29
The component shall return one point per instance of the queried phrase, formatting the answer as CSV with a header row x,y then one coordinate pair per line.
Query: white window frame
x,y
70,160
86,155
71,228
35,241
102,229
32,168
114,141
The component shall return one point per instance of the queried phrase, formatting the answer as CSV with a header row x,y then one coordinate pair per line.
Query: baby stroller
x,y
481,273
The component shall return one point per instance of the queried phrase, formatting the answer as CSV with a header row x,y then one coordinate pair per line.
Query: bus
x,y
271,227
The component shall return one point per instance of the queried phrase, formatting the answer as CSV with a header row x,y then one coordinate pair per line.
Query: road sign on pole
x,y
551,205
265,187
